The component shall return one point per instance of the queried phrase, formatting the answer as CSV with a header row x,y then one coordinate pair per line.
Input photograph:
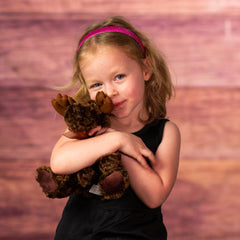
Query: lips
x,y
118,104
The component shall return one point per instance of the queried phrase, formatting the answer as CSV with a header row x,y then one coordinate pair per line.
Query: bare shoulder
x,y
170,145
171,129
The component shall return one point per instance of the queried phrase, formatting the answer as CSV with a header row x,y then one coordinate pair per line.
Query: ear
x,y
147,73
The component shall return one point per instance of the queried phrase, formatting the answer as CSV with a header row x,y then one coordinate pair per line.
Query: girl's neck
x,y
127,125
130,127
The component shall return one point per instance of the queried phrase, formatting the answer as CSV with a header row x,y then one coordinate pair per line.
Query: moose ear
x,y
147,72
61,103
104,102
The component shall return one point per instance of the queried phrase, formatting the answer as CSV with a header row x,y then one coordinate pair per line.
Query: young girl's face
x,y
110,70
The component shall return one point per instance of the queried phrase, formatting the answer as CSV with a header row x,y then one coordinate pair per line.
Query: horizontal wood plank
x,y
201,42
200,50
122,6
207,117
204,203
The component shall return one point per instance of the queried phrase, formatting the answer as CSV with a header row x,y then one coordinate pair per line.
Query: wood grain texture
x,y
204,203
202,50
119,7
207,117
201,40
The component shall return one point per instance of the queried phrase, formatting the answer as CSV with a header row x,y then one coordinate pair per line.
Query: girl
x,y
116,58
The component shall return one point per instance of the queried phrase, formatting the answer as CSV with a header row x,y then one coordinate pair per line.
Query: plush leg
x,y
57,185
114,179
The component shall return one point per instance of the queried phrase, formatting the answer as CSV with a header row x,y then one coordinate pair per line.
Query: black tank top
x,y
126,217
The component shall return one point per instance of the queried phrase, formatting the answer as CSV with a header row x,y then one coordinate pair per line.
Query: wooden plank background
x,y
201,40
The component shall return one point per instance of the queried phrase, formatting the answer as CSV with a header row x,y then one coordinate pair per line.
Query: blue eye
x,y
95,85
120,76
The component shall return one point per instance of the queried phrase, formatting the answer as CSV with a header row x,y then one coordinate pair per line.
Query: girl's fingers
x,y
110,130
96,131
145,155
101,131
135,148
139,158
149,155
143,162
93,131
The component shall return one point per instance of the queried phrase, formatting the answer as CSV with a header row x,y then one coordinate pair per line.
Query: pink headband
x,y
113,29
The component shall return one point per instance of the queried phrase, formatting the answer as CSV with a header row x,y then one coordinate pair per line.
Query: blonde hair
x,y
158,89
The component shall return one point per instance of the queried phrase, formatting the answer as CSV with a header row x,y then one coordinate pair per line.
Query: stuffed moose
x,y
106,178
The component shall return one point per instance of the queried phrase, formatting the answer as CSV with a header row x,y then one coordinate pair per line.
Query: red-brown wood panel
x,y
201,40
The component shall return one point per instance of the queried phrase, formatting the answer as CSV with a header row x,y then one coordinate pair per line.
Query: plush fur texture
x,y
107,173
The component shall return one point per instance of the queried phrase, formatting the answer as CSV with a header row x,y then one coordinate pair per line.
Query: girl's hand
x,y
134,147
129,145
96,131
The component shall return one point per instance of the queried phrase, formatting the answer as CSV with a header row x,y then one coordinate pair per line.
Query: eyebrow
x,y
114,72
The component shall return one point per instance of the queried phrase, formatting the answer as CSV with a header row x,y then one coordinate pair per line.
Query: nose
x,y
111,90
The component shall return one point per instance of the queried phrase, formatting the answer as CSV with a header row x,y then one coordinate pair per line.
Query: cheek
x,y
135,94
135,89
92,95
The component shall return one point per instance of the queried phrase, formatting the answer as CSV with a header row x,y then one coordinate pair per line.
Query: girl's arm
x,y
154,185
71,155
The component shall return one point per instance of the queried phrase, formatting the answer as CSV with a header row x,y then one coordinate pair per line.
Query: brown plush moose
x,y
106,178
